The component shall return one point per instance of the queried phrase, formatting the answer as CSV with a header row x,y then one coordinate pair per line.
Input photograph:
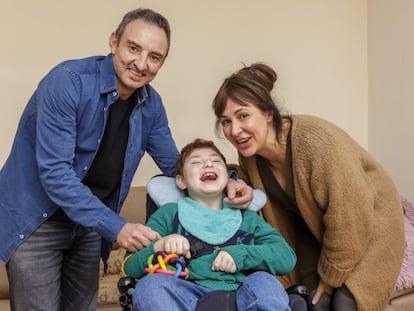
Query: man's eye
x,y
155,58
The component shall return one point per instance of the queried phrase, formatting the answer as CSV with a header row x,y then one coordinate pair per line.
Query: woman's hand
x,y
322,288
238,195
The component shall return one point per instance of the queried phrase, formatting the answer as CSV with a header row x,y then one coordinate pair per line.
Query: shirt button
x,y
85,168
115,93
44,215
104,109
21,236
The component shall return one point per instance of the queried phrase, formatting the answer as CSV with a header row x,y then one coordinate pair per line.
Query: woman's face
x,y
247,127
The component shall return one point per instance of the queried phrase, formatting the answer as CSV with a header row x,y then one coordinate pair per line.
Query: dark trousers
x,y
56,268
308,251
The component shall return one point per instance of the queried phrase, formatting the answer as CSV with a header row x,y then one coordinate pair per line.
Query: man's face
x,y
137,55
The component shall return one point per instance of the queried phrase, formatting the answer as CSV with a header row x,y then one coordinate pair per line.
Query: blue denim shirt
x,y
56,141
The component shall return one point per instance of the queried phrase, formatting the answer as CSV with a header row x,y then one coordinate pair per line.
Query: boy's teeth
x,y
208,176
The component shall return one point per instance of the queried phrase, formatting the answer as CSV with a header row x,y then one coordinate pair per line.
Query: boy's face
x,y
204,174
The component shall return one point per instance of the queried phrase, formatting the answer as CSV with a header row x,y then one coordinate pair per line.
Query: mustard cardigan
x,y
350,205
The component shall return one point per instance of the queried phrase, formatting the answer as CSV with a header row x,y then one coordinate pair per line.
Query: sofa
x,y
134,210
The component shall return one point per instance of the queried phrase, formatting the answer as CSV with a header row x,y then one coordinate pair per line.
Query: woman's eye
x,y
225,122
243,116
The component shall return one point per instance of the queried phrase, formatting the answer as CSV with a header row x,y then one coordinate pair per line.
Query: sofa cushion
x,y
133,210
401,300
4,283
406,277
134,207
108,290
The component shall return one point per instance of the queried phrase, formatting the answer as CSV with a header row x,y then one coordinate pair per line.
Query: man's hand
x,y
224,262
174,243
134,237
238,195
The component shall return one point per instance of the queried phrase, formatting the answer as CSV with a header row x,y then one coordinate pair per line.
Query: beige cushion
x,y
4,283
108,283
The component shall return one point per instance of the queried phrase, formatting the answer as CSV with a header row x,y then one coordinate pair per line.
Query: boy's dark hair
x,y
189,148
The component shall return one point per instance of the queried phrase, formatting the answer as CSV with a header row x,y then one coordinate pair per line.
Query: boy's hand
x,y
224,262
174,243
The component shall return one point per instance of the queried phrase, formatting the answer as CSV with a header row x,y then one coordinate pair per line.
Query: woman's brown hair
x,y
249,85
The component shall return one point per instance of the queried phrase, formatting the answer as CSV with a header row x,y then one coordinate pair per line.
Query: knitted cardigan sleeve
x,y
335,195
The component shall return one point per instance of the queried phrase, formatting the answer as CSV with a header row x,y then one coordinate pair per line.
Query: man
x,y
78,144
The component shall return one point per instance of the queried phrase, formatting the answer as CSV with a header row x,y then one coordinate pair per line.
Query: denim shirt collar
x,y
108,76
109,80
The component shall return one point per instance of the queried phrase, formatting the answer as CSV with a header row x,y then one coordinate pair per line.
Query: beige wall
x,y
391,88
319,49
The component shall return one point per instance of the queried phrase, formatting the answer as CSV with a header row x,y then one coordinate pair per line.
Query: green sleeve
x,y
162,222
268,251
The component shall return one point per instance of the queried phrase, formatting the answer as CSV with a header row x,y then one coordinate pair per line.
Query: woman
x,y
332,201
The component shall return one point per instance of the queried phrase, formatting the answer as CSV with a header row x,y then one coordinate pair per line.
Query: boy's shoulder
x,y
250,213
168,208
249,216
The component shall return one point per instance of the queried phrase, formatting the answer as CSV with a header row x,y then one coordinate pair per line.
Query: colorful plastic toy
x,y
170,264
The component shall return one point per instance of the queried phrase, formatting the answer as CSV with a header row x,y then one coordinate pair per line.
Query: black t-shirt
x,y
105,172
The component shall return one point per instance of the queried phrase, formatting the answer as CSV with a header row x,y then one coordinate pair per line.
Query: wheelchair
x,y
218,300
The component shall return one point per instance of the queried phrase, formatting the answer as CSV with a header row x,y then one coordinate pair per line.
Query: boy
x,y
227,249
